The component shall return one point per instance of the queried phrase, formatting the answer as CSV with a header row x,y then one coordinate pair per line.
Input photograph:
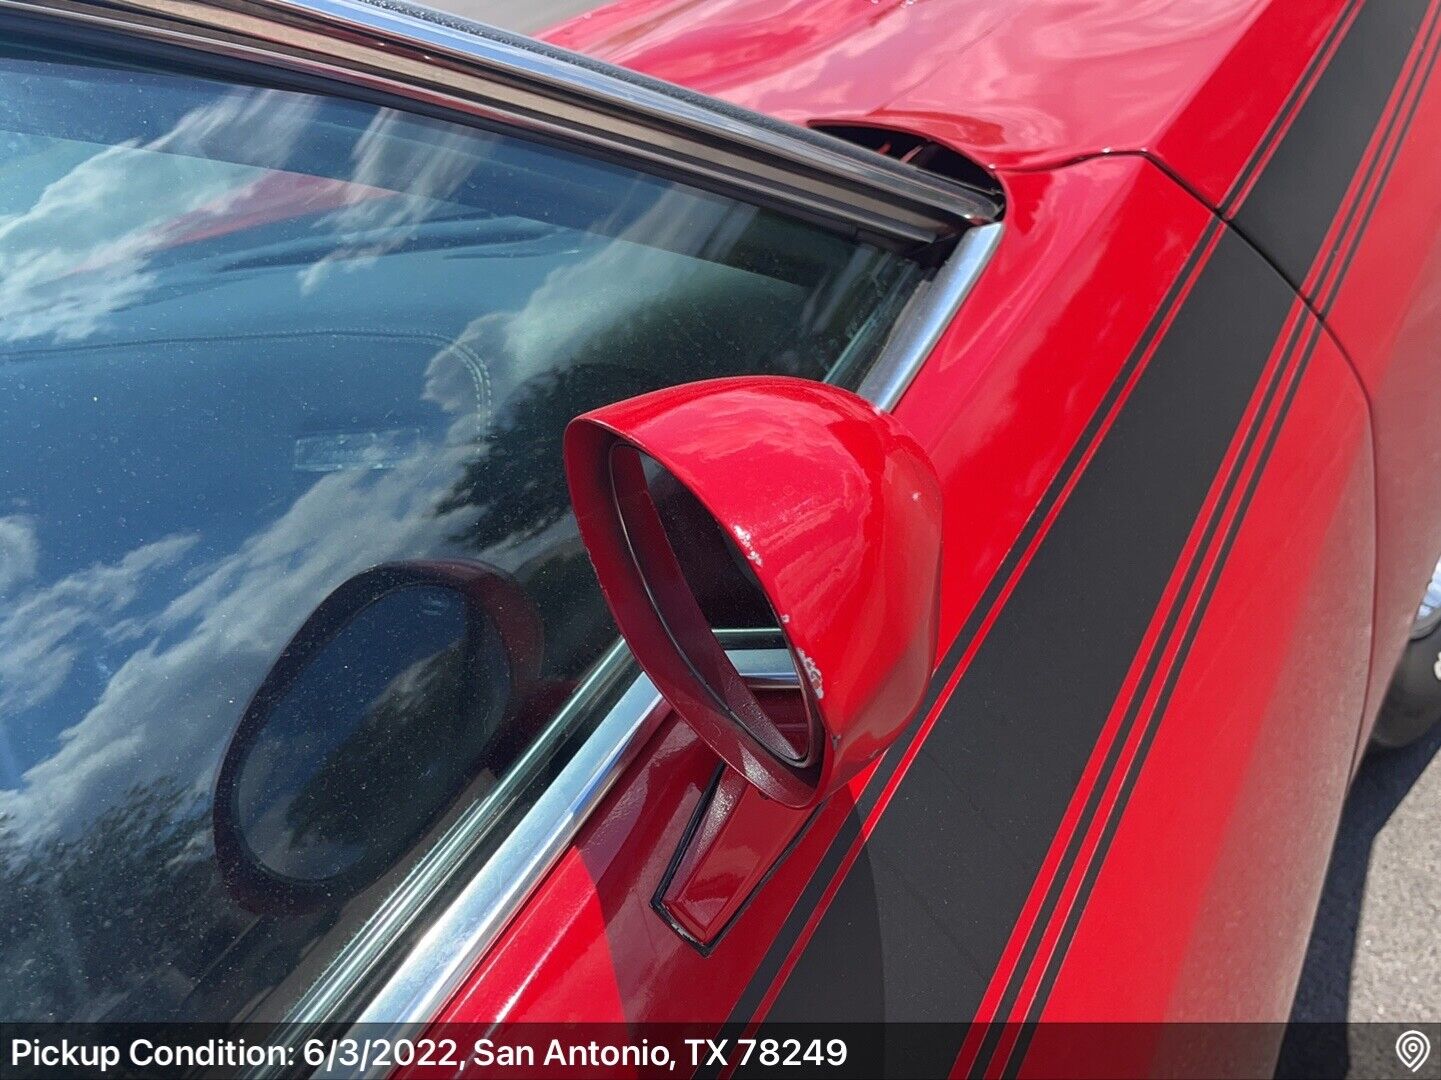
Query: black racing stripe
x,y
921,882
1339,257
1337,260
1297,196
1277,126
917,928
1088,882
1174,295
1416,84
1132,715
840,845
1291,363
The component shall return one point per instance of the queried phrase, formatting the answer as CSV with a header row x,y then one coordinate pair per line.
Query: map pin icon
x,y
1413,1048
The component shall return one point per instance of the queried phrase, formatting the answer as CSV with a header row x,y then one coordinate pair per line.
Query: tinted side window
x,y
254,343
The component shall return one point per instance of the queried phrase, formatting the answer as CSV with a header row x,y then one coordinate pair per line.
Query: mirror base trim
x,y
733,821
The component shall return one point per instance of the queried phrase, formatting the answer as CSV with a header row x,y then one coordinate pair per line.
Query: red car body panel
x,y
1173,489
1027,85
1209,883
1387,317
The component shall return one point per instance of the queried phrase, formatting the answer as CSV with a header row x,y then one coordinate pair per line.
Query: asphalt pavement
x,y
1375,952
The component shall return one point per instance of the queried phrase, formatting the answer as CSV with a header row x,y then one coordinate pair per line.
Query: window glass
x,y
254,344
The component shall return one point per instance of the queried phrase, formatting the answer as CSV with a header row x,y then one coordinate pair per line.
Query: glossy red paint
x,y
739,836
1310,522
589,946
836,511
1201,550
1387,317
1194,880
1014,85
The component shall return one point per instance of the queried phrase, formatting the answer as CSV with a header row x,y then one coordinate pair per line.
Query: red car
x,y
772,517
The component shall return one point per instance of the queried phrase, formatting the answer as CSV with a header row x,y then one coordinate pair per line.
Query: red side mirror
x,y
837,513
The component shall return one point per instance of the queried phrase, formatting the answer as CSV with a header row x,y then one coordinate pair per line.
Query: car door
x,y
1108,684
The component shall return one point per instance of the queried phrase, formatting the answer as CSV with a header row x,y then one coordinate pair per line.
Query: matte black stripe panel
x,y
1337,259
1378,170
1133,712
1313,333
917,928
1273,130
1298,195
1416,83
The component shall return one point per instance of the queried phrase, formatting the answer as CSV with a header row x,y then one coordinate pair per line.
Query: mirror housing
x,y
836,511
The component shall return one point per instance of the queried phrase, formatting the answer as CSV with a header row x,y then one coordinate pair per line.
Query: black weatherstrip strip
x,y
918,926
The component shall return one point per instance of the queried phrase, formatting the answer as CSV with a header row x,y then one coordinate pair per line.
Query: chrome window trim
x,y
468,68
465,931
475,70
461,935
925,318
330,994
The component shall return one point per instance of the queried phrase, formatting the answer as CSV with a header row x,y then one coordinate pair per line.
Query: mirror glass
x,y
730,596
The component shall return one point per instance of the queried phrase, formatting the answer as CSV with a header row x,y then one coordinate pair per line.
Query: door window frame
x,y
457,70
